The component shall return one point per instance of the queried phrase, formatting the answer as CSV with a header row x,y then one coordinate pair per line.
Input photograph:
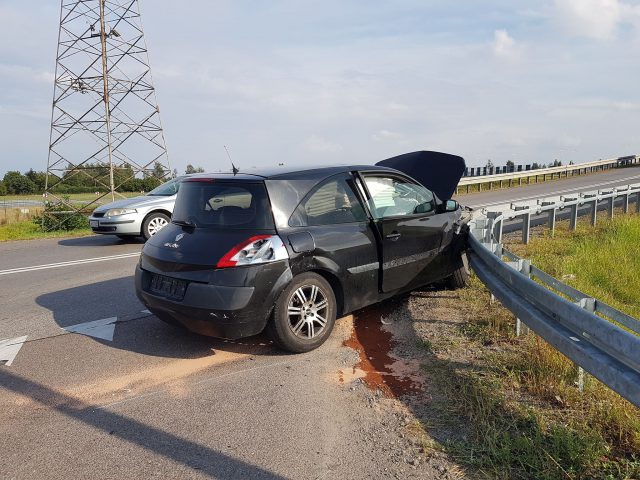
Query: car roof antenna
x,y
234,169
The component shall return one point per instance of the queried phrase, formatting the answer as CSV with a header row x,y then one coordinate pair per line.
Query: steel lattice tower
x,y
105,120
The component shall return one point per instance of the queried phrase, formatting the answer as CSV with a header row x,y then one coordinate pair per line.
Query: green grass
x,y
518,406
602,261
27,230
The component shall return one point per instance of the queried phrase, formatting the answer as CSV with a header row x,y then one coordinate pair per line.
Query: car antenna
x,y
234,169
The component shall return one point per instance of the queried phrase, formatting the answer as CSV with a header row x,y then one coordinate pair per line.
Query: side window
x,y
330,203
391,196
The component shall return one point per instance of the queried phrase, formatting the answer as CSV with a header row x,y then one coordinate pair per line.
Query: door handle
x,y
393,236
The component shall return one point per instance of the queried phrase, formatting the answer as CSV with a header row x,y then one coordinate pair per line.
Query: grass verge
x,y
600,261
517,412
28,230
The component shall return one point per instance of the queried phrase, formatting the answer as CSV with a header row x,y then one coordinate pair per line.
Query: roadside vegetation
x,y
514,404
601,261
517,410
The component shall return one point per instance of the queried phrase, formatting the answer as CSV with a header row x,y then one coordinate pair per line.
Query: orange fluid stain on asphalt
x,y
377,366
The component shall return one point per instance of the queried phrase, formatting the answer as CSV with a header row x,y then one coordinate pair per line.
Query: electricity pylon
x,y
105,120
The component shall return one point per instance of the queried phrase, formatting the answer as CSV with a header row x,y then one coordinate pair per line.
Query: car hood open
x,y
439,172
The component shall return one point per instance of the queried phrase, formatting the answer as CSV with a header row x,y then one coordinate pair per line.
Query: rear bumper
x,y
229,312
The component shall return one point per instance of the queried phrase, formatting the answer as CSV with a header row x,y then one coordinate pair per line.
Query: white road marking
x,y
9,349
621,181
103,328
11,271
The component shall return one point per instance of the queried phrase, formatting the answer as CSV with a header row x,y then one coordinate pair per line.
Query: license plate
x,y
93,223
173,288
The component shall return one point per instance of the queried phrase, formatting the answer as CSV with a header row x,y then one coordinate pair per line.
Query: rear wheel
x,y
304,314
460,276
153,224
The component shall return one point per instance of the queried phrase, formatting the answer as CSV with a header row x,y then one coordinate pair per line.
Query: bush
x,y
3,188
16,183
58,217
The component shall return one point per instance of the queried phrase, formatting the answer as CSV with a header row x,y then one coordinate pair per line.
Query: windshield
x,y
166,189
223,204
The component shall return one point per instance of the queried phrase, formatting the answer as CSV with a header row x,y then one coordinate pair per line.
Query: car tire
x,y
460,275
153,223
296,324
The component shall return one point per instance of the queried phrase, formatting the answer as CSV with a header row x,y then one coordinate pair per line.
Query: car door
x,y
410,237
330,230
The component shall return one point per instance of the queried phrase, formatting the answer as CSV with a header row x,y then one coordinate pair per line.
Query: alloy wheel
x,y
307,311
155,225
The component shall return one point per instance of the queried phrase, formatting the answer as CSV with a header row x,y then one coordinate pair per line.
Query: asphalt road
x,y
145,400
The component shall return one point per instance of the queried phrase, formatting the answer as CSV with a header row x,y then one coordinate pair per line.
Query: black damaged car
x,y
290,249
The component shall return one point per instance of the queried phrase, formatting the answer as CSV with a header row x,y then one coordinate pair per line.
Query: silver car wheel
x,y
307,311
155,225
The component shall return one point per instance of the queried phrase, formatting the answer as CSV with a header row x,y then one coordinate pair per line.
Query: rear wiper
x,y
184,223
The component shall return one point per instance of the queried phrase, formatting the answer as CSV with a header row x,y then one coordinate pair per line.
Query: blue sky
x,y
357,81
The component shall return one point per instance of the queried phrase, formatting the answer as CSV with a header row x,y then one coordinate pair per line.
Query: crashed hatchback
x,y
289,250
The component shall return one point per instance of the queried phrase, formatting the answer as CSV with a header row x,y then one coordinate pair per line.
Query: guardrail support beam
x,y
625,204
525,269
594,213
573,219
611,206
552,221
526,227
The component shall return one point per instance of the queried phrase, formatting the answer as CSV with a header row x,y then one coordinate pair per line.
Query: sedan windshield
x,y
166,189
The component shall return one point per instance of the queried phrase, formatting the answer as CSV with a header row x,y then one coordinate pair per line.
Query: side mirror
x,y
451,206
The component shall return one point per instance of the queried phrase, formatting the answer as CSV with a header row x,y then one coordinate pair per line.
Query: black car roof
x,y
290,172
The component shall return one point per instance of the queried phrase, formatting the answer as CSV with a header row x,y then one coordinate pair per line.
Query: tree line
x,y
91,178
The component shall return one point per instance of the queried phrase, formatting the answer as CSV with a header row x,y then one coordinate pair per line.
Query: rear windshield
x,y
220,204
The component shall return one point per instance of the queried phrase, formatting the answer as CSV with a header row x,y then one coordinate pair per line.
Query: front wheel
x,y
153,224
460,276
304,314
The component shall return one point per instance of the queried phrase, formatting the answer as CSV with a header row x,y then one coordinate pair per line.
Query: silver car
x,y
139,216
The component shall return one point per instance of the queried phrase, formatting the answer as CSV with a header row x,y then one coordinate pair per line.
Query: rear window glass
x,y
220,204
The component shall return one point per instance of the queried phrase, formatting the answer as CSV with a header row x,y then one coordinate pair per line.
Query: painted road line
x,y
68,264
622,181
103,328
9,349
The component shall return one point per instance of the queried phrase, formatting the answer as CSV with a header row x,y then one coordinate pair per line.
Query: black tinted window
x,y
330,203
229,205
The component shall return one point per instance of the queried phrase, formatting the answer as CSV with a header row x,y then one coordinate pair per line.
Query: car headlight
x,y
114,212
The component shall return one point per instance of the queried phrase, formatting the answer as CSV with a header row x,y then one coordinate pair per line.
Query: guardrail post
x,y
573,220
625,203
525,269
611,206
552,221
594,212
526,227
638,203
589,304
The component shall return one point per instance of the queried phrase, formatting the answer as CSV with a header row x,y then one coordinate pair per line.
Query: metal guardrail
x,y
562,315
566,170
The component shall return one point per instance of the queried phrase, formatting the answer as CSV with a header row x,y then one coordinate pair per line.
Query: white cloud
x,y
591,18
318,144
504,45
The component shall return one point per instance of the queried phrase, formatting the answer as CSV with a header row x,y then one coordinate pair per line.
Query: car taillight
x,y
256,249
